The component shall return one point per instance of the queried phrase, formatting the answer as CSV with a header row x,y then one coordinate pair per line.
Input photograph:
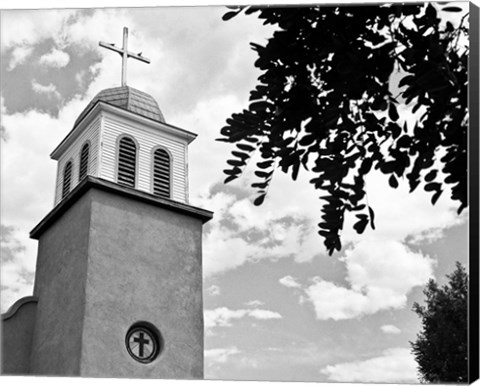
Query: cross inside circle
x,y
141,344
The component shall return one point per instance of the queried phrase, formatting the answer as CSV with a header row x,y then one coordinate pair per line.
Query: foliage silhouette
x,y
337,85
441,348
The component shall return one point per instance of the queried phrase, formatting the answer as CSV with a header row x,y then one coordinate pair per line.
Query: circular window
x,y
143,342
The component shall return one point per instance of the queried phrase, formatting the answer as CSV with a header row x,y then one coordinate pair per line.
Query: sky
x,y
276,306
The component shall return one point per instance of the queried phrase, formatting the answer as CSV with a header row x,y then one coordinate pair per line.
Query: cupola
x,y
122,136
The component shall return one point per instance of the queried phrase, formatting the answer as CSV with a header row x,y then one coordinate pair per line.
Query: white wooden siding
x,y
147,139
91,133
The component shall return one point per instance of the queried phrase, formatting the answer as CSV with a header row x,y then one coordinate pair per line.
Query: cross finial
x,y
124,53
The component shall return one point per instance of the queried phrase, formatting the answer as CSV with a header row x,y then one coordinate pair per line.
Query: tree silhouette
x,y
336,88
441,348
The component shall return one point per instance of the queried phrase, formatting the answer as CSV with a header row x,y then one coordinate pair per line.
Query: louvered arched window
x,y
67,179
84,156
127,159
161,173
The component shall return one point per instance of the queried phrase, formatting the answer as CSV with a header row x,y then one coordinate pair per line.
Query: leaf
x,y
262,174
361,225
260,107
388,167
324,225
236,170
235,162
296,168
452,9
259,200
392,112
230,178
406,80
229,15
365,166
265,164
431,12
432,186
307,140
413,184
395,129
260,185
436,196
431,175
372,217
392,181
245,147
404,142
242,156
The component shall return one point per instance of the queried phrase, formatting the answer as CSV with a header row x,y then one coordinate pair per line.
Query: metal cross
x,y
124,53
141,341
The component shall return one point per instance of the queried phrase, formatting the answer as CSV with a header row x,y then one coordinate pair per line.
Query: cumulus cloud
x,y
16,277
49,90
241,234
18,56
213,290
283,227
380,278
289,281
55,58
220,355
28,180
254,303
223,316
395,365
390,329
3,133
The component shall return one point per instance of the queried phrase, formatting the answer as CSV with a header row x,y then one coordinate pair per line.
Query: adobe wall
x,y
60,280
145,264
17,333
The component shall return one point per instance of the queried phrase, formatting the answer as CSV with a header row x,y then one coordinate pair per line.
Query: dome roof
x,y
129,99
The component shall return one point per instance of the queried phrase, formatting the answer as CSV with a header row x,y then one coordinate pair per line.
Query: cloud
x,y
283,227
289,281
50,90
28,180
3,133
401,216
380,277
395,365
254,303
20,27
18,56
390,329
220,355
16,277
241,233
264,314
213,290
223,316
55,58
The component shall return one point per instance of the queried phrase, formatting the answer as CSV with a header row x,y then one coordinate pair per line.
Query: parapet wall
x,y
17,333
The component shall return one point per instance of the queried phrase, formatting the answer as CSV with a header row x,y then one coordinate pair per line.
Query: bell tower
x,y
119,267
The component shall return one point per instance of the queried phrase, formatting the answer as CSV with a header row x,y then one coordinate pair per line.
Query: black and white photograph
x,y
247,192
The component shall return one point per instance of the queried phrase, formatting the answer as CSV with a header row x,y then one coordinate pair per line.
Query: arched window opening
x,y
67,179
161,173
127,158
84,154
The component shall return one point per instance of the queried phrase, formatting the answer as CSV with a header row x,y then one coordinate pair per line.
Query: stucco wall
x,y
60,287
17,333
145,264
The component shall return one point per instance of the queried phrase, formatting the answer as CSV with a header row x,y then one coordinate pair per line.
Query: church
x,y
118,281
